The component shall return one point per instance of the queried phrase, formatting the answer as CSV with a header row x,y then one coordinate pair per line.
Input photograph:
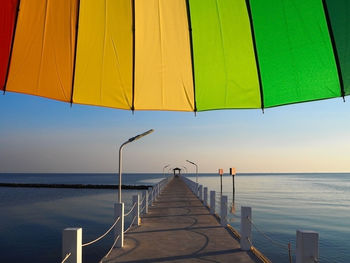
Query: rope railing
x,y
277,243
142,205
109,252
143,199
235,215
102,236
233,219
142,208
250,242
130,225
66,257
234,212
132,208
287,247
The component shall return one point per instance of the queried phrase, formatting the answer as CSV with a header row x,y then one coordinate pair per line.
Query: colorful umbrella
x,y
192,55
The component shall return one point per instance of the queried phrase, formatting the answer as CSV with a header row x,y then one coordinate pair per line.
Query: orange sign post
x,y
233,173
221,172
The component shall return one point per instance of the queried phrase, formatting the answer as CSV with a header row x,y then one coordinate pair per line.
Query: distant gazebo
x,y
177,171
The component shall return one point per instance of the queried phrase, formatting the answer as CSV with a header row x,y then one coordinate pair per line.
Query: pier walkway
x,y
179,228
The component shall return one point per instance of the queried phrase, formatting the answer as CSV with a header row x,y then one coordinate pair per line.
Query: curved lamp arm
x,y
137,137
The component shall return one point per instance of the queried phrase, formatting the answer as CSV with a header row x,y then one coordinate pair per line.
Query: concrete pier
x,y
179,228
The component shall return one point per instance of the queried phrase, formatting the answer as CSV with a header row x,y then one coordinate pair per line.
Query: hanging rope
x,y
277,243
235,215
66,257
97,239
130,225
234,218
142,200
250,242
267,237
143,208
109,252
132,208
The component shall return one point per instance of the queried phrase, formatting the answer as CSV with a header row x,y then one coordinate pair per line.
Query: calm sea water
x,y
32,219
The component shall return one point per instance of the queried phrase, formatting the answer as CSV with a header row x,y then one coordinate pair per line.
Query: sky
x,y
39,135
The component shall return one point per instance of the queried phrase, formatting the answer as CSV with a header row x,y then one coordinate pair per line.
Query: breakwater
x,y
76,186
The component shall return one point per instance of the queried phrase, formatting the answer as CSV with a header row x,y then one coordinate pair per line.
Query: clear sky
x,y
42,135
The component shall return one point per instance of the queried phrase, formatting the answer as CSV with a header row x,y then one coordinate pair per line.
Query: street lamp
x,y
120,159
196,169
164,169
184,168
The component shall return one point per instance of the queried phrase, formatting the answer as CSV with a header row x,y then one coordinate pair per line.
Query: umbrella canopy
x,y
183,55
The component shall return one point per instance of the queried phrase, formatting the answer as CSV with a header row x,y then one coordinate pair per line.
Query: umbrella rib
x,y
133,56
75,51
255,53
334,48
191,48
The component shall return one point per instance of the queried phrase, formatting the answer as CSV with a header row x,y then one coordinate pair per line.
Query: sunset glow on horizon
x,y
41,135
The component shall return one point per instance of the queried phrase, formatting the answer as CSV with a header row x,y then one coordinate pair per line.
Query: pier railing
x,y
72,246
306,250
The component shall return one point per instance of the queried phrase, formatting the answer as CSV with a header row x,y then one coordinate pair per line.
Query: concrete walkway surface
x,y
179,228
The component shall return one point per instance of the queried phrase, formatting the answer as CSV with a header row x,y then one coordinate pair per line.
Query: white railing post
x,y
136,212
223,210
71,243
145,201
197,190
246,228
212,202
200,194
155,192
306,247
206,196
150,194
119,227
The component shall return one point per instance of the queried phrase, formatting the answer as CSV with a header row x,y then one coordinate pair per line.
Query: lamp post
x,y
184,168
196,169
165,168
120,159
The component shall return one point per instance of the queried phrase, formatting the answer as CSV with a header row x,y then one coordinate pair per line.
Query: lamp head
x,y
140,135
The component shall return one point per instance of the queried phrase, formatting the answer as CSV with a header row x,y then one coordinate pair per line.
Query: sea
x,y
32,219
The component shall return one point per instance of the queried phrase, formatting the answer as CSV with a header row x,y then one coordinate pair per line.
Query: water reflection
x,y
32,219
